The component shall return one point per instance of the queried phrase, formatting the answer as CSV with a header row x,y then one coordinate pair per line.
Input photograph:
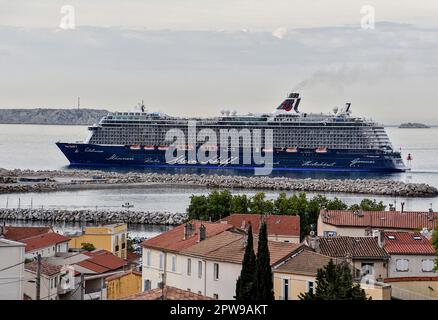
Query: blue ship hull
x,y
82,154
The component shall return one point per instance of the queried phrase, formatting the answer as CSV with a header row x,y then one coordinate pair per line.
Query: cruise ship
x,y
334,141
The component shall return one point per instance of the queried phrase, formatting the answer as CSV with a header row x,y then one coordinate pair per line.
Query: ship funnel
x,y
291,102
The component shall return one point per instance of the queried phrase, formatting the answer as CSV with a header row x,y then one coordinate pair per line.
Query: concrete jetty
x,y
84,179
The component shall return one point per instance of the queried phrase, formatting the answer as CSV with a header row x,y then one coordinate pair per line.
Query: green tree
x,y
198,208
239,204
281,204
334,282
259,205
129,245
336,204
264,287
219,204
245,282
368,205
87,246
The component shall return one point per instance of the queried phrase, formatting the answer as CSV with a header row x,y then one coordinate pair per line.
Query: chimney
x,y
188,230
380,238
202,233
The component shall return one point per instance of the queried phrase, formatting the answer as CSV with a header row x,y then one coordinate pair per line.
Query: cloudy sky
x,y
197,57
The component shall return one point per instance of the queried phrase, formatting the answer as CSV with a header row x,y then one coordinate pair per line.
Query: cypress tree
x,y
245,282
264,287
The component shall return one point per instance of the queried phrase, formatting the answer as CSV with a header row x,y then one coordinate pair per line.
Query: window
x,y
215,296
402,264
367,268
147,285
56,282
310,286
216,271
148,258
330,233
199,269
173,263
189,266
427,265
285,289
161,261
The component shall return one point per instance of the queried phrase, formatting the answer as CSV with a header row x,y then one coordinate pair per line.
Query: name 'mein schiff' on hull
x,y
300,141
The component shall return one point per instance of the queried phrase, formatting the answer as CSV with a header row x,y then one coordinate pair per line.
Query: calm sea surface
x,y
33,147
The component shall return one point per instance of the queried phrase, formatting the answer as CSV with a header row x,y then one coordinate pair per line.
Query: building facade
x,y
12,275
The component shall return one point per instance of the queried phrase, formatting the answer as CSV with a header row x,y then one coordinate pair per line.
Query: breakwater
x,y
95,216
83,179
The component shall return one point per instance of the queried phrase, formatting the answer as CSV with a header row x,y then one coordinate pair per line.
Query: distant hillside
x,y
413,125
51,116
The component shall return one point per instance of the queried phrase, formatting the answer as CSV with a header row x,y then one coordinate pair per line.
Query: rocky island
x,y
409,125
51,116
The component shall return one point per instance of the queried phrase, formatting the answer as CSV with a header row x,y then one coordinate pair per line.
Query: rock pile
x,y
85,178
95,216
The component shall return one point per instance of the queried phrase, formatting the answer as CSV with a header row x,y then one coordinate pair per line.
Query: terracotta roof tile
x,y
407,243
46,268
381,219
105,259
170,293
173,240
306,262
359,247
19,233
280,225
43,241
87,264
230,246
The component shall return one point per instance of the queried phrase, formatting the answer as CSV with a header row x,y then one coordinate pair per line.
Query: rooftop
x,y
47,268
407,243
305,262
102,261
380,219
359,247
168,293
18,233
229,246
174,240
43,241
10,243
279,225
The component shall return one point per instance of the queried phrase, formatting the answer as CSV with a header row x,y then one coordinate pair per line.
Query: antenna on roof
x,y
79,102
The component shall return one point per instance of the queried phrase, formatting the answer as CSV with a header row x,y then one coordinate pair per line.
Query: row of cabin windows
x,y
174,265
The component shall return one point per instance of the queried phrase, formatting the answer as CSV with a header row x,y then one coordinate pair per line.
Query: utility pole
x,y
38,278
82,284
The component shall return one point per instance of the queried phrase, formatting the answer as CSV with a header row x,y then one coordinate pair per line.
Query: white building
x,y
49,283
47,245
11,270
209,264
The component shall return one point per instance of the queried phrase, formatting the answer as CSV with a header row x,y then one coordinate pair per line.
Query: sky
x,y
198,57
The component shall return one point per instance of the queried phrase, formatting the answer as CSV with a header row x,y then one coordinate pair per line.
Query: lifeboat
x,y
163,148
135,147
291,150
321,150
149,147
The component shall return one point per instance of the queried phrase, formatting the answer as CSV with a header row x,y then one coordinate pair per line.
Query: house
x,y
167,293
11,269
46,245
211,267
284,228
363,253
17,233
297,275
411,266
123,285
161,253
49,283
362,223
111,237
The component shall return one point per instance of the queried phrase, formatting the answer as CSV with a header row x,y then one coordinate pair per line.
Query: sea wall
x,y
82,179
95,216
